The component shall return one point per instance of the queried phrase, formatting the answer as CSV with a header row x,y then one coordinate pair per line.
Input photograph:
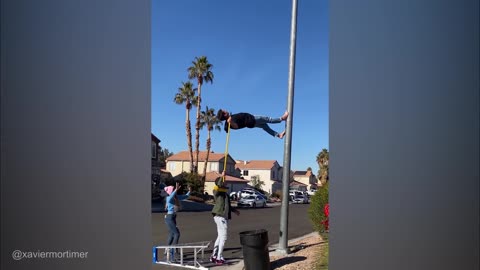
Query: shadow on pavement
x,y
286,260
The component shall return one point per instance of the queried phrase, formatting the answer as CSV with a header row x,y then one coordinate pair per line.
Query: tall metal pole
x,y
283,242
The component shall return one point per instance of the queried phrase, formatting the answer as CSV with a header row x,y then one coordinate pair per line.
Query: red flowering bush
x,y
319,209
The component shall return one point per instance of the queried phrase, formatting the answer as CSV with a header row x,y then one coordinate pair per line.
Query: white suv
x,y
295,192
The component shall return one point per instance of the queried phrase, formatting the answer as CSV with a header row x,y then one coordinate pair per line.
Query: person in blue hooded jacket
x,y
172,202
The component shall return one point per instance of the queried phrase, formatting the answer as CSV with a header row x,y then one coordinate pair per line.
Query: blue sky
x,y
248,44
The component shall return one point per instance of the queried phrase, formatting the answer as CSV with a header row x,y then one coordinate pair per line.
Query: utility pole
x,y
283,241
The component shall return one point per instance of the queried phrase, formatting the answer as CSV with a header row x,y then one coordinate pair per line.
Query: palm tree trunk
x,y
209,144
189,139
197,126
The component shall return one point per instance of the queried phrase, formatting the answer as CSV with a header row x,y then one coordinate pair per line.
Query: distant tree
x,y
186,95
200,70
163,155
208,119
193,180
256,182
322,160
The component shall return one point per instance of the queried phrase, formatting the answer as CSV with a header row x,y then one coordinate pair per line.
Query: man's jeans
x,y
263,121
222,226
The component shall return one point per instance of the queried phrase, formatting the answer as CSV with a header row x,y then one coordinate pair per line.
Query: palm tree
x,y
200,70
186,94
209,119
322,160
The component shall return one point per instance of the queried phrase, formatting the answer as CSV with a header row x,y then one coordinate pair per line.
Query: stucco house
x,y
155,145
268,171
295,185
233,183
306,177
180,162
158,174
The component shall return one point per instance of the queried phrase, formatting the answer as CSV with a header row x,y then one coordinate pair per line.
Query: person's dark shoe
x,y
220,262
213,259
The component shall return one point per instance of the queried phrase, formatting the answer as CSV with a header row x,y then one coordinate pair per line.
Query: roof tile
x,y
202,155
256,164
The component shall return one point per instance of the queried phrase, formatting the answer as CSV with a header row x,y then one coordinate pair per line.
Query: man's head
x,y
222,115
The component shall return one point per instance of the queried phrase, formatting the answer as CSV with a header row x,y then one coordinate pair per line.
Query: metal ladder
x,y
198,247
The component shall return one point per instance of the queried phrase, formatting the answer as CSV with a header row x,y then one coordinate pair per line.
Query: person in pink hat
x,y
171,205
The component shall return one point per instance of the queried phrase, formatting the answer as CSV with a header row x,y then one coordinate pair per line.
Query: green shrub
x,y
316,209
189,179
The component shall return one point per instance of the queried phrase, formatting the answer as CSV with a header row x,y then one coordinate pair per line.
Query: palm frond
x,y
201,70
179,99
185,93
209,119
195,101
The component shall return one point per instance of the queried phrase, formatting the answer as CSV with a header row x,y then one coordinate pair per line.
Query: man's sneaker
x,y
213,259
220,262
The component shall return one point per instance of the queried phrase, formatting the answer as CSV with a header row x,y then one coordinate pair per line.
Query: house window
x,y
245,173
213,167
171,166
154,150
273,174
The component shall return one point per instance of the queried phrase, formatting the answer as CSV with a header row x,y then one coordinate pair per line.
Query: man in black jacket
x,y
242,120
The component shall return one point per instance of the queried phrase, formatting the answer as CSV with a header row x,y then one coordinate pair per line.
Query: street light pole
x,y
283,241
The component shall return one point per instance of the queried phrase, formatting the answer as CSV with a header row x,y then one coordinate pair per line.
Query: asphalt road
x,y
199,226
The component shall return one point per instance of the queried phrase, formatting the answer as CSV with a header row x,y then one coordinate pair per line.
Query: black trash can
x,y
255,249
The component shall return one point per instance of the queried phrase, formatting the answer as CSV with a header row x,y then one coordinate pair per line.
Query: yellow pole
x,y
226,152
224,163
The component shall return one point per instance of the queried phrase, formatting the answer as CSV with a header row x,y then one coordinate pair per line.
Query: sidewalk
x,y
239,264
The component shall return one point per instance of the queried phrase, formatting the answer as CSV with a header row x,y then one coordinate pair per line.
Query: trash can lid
x,y
254,232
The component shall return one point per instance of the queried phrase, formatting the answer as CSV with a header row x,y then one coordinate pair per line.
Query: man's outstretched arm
x,y
233,124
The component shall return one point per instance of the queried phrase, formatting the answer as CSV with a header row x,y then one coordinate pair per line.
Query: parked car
x,y
300,199
245,193
263,196
294,193
311,192
233,195
252,201
249,192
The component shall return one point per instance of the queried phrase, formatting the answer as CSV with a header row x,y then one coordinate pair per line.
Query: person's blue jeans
x,y
263,121
173,232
